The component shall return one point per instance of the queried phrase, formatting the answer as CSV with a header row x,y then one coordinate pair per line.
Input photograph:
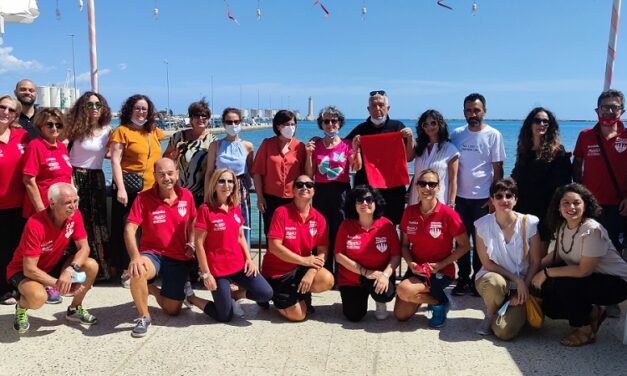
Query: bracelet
x,y
191,245
386,275
205,276
546,273
75,266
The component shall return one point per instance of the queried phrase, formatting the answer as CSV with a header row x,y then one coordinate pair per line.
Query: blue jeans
x,y
470,210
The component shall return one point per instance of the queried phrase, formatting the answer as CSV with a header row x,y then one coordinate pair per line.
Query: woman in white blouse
x,y
585,271
509,248
435,151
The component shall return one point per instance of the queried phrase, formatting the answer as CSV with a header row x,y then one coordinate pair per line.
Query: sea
x,y
569,130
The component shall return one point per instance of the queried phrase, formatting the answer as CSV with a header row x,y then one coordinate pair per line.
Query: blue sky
x,y
519,54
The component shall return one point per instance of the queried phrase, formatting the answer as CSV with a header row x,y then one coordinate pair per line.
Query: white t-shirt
x,y
507,255
436,160
90,152
478,150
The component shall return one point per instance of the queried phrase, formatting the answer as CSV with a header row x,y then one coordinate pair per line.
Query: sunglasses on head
x,y
304,184
500,196
377,92
430,184
51,125
5,108
232,122
365,200
225,181
92,105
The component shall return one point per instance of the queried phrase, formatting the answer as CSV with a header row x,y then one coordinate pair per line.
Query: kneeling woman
x,y
222,250
290,267
368,251
584,269
430,228
509,248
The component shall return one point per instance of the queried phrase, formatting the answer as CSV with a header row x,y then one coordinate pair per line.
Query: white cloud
x,y
86,77
10,63
122,66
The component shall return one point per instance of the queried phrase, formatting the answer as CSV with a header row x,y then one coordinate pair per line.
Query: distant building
x,y
58,97
310,114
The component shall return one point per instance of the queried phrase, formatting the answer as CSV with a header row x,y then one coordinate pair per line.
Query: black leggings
x,y
572,298
355,298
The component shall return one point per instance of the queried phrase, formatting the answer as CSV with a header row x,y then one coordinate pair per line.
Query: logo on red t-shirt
x,y
381,243
218,225
620,145
158,216
67,160
47,246
237,218
290,233
435,229
69,229
182,208
313,228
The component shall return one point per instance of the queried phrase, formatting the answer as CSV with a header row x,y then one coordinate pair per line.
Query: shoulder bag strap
x,y
149,153
524,235
609,167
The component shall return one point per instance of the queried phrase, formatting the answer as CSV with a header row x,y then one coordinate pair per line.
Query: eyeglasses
x,y
92,105
51,125
226,181
377,92
500,196
610,107
200,116
365,200
303,184
140,109
430,184
232,122
430,124
541,121
330,121
5,108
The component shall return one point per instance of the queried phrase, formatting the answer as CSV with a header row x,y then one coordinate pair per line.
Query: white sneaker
x,y
125,279
485,329
237,308
381,312
187,289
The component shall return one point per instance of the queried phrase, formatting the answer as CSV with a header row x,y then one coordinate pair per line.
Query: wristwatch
x,y
205,276
75,266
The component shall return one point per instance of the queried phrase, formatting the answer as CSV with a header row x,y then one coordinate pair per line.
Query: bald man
x,y
38,259
166,214
26,94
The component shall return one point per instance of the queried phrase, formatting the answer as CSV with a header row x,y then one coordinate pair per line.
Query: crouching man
x,y
166,215
37,261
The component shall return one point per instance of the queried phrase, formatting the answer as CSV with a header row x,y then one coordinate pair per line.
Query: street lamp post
x,y
73,62
167,82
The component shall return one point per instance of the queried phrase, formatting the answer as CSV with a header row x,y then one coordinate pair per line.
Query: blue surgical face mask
x,y
233,130
330,134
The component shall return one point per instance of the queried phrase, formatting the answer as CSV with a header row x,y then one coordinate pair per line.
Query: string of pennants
x,y
317,3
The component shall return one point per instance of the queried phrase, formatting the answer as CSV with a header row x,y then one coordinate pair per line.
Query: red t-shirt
x,y
299,236
41,238
595,173
279,171
371,248
224,252
164,227
49,164
11,185
431,238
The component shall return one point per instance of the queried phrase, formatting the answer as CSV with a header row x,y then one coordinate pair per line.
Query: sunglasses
x,y
5,108
232,122
200,116
500,196
430,184
377,92
140,109
365,200
304,184
610,107
330,121
92,105
430,124
51,125
226,181
541,121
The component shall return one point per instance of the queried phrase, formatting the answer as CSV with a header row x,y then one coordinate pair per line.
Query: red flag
x,y
384,160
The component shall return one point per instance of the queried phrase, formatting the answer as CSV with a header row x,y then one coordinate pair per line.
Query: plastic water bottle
x,y
78,277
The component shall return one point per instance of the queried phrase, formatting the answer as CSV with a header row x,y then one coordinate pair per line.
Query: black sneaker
x,y
264,305
461,289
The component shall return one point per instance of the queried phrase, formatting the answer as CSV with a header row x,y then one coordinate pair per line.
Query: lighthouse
x,y
310,113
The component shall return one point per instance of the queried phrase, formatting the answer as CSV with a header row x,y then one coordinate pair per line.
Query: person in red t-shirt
x,y
430,228
289,266
368,251
166,214
222,250
46,236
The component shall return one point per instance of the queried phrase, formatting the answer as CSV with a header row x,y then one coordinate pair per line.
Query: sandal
x,y
597,316
579,337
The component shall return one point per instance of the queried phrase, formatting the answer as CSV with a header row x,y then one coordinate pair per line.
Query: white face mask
x,y
139,123
288,131
232,129
378,121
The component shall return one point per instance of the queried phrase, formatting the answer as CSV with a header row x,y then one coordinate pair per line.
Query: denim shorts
x,y
174,274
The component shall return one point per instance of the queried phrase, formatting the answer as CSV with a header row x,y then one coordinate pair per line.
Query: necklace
x,y
572,239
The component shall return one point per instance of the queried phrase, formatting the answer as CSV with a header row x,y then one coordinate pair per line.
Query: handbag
x,y
133,182
533,305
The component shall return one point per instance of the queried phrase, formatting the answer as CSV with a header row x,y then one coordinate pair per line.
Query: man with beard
x,y
377,123
480,163
26,94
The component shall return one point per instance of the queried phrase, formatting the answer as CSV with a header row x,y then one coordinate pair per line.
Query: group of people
x,y
184,214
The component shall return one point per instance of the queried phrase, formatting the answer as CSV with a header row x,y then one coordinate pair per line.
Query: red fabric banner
x,y
384,160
